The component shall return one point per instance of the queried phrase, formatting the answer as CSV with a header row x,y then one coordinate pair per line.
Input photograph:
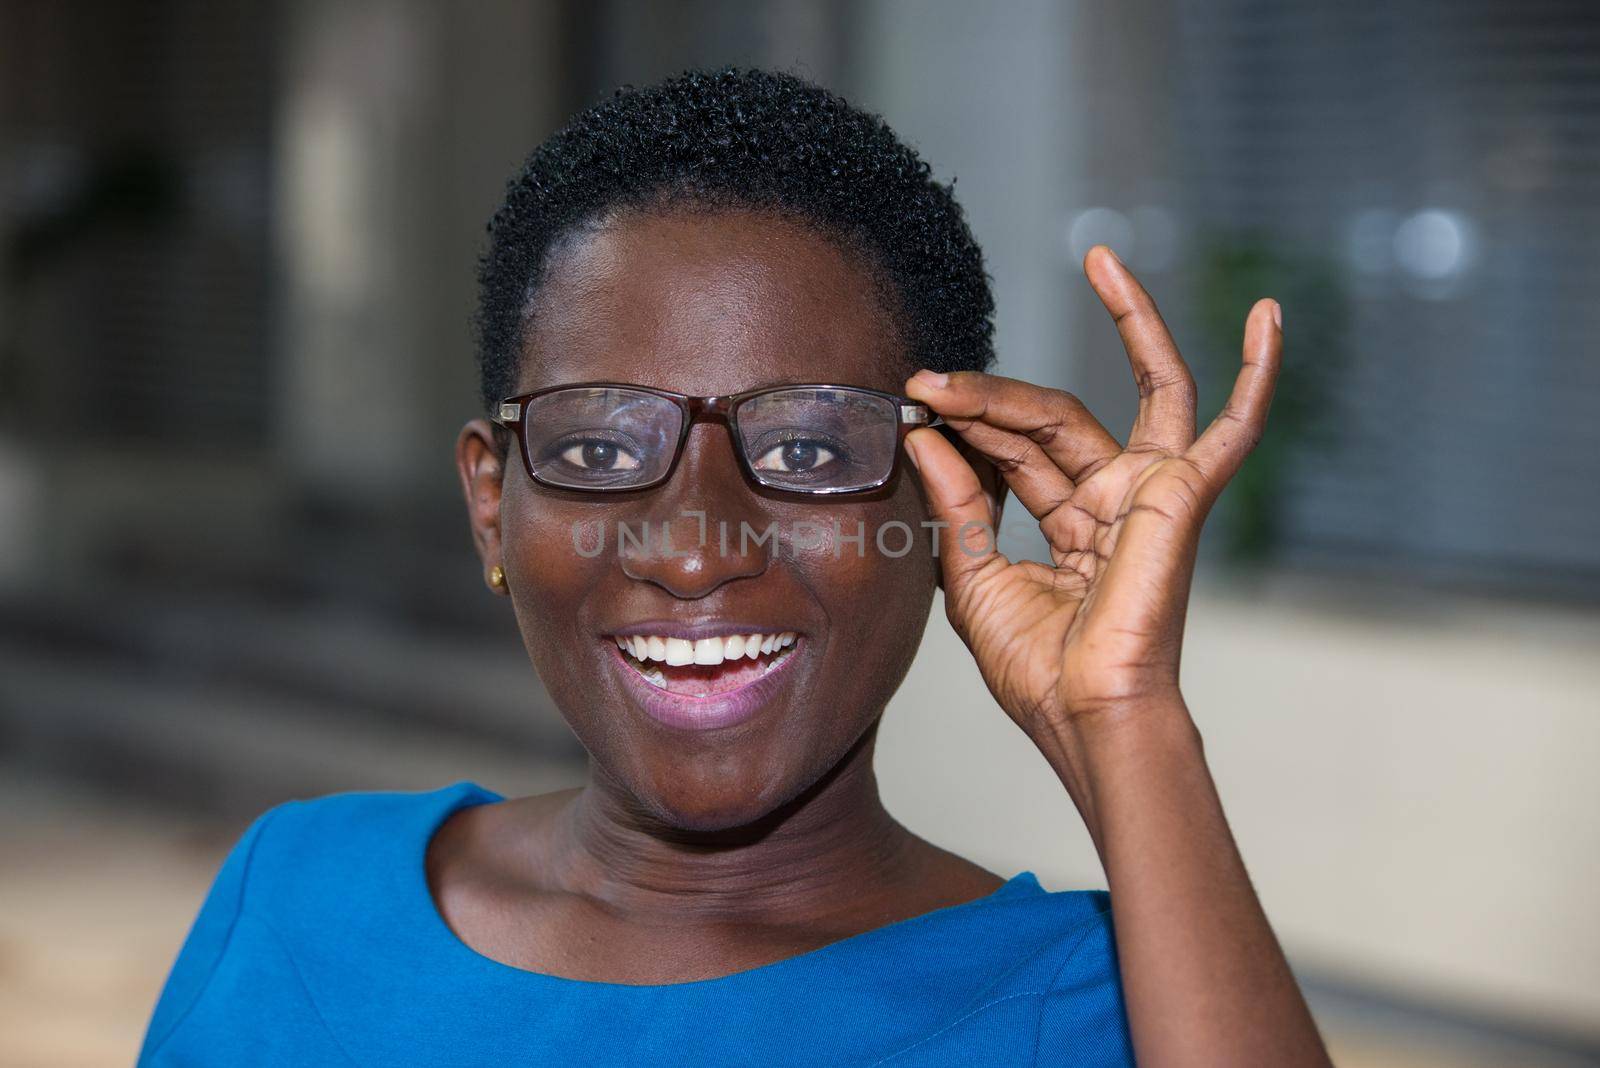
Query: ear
x,y
994,484
482,471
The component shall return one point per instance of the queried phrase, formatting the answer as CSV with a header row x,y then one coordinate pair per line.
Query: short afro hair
x,y
750,139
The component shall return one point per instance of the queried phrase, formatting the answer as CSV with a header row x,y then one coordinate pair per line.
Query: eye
x,y
795,455
598,454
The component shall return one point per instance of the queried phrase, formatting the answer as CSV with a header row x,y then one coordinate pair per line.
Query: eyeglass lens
x,y
818,440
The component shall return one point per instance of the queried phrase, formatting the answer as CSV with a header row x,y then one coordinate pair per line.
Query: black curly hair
x,y
753,139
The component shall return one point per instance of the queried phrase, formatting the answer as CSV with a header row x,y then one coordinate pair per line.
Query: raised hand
x,y
1083,654
1097,631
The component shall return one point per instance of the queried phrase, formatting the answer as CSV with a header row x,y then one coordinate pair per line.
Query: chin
x,y
726,805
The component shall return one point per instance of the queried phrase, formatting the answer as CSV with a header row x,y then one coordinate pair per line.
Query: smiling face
x,y
709,304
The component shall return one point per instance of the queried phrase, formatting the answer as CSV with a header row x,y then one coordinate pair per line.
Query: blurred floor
x,y
80,967
80,963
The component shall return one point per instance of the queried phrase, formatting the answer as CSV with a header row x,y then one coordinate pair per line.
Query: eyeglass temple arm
x,y
507,414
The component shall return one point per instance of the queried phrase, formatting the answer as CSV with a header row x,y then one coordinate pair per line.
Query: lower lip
x,y
704,713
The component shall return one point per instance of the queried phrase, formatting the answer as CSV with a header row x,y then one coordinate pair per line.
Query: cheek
x,y
542,556
876,584
558,594
549,576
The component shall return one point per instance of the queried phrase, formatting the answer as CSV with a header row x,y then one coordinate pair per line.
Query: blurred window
x,y
1423,178
136,226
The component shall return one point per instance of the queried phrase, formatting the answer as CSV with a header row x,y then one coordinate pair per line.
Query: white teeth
x,y
676,652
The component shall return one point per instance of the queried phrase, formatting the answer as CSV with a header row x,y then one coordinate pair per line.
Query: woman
x,y
721,584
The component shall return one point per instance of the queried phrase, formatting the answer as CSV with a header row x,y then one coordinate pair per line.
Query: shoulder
x,y
347,826
321,856
1068,961
1020,939
1026,975
1082,1015
301,870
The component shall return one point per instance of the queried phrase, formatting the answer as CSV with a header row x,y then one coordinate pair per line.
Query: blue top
x,y
320,944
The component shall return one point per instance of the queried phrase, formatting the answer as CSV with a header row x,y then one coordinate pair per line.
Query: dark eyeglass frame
x,y
909,415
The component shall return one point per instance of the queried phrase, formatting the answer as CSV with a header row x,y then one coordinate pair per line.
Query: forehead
x,y
709,302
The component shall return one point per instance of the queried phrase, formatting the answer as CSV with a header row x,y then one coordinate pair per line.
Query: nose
x,y
703,527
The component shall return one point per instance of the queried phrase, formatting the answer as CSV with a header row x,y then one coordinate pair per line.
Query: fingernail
x,y
911,451
932,378
1115,256
1277,314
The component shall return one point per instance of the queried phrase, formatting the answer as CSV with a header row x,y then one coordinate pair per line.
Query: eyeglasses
x,y
608,437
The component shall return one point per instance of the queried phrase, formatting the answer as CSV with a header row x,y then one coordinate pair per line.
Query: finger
x,y
1166,417
1037,481
1238,427
1053,419
955,497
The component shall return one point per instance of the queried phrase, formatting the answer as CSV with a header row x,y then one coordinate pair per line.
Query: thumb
x,y
956,497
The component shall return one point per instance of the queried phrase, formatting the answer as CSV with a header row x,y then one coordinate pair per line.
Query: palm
x,y
1101,624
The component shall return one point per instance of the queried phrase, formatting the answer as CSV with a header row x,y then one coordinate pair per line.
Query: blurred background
x,y
237,245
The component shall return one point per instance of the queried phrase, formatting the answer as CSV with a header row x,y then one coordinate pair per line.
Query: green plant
x,y
1233,270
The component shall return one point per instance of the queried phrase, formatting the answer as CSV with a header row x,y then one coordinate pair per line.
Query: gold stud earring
x,y
497,577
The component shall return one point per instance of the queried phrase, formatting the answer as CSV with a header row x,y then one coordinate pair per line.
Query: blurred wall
x,y
386,172
1411,785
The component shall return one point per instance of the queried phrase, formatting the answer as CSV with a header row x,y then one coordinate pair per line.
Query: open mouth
x,y
708,666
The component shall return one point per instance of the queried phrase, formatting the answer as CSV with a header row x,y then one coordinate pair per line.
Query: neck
x,y
804,860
